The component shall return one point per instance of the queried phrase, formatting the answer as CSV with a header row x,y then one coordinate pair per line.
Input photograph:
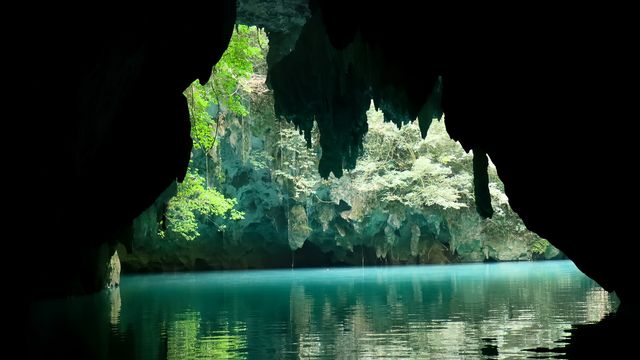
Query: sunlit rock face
x,y
525,90
113,269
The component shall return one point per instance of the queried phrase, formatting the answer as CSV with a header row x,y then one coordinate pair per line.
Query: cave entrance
x,y
252,198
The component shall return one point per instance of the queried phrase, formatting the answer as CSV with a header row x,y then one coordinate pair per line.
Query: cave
x,y
548,93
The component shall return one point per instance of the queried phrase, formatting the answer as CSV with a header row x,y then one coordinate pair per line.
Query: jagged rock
x,y
282,20
298,227
113,271
551,252
415,239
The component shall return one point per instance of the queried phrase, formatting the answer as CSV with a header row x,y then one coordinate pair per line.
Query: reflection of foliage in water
x,y
187,339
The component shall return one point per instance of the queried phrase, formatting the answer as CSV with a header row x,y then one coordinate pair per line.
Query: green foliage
x,y
195,201
235,67
200,100
296,163
187,338
540,246
401,170
210,103
398,166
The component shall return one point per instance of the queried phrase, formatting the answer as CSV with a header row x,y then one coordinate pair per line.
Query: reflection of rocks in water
x,y
115,304
598,304
489,349
475,311
613,335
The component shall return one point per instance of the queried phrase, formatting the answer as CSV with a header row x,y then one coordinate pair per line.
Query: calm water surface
x,y
455,311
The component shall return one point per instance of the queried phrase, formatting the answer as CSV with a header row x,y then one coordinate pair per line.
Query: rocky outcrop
x,y
113,271
282,21
320,232
298,227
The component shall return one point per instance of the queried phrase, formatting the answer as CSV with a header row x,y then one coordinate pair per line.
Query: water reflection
x,y
190,337
115,304
471,311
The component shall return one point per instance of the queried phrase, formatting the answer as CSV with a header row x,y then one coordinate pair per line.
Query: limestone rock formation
x,y
293,217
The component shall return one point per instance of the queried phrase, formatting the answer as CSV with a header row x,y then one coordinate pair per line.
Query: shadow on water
x,y
475,311
79,327
489,349
612,337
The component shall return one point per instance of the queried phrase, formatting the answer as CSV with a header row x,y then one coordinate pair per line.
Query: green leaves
x,y
235,68
195,202
398,166
297,163
209,103
540,246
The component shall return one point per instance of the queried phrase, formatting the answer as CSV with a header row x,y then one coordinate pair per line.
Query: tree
x,y
296,163
193,204
398,166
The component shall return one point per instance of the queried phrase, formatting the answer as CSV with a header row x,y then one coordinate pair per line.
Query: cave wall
x,y
530,88
107,121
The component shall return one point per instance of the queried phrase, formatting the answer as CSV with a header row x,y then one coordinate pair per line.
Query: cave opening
x,y
253,189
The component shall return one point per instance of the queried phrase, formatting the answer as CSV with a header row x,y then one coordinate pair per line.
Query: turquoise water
x,y
456,311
